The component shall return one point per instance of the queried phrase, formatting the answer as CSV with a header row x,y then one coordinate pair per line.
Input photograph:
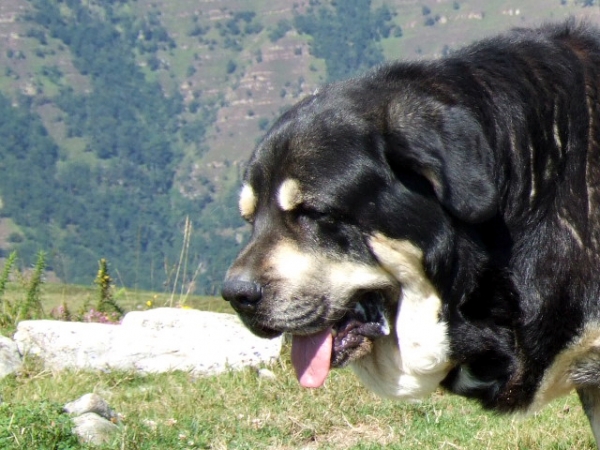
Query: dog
x,y
437,223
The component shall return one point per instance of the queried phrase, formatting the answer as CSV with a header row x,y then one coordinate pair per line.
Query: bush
x,y
106,306
231,67
12,312
283,26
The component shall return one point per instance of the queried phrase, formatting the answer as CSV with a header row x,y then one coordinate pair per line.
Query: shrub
x,y
231,66
280,30
12,312
106,302
32,307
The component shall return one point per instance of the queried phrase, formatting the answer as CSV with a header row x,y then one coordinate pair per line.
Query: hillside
x,y
120,118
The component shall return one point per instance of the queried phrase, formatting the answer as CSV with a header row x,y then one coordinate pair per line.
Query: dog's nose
x,y
243,295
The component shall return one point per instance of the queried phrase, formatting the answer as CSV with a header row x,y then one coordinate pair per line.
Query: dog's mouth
x,y
347,340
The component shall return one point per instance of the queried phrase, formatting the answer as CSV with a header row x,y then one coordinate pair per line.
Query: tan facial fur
x,y
247,202
289,195
304,279
414,359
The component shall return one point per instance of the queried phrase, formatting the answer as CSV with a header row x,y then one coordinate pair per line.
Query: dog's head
x,y
353,197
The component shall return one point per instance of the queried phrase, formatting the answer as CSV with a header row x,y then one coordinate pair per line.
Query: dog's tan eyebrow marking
x,y
289,195
248,201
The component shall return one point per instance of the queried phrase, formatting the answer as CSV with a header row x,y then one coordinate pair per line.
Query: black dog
x,y
438,223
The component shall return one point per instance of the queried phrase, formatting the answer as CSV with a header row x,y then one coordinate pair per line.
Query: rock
x,y
156,340
266,374
177,318
91,403
10,359
93,429
95,421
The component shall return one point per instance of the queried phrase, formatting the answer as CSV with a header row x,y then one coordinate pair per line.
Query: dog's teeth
x,y
385,326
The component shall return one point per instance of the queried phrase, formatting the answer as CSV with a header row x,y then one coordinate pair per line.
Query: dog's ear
x,y
448,147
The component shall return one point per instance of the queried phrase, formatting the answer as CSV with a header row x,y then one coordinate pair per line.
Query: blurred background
x,y
125,124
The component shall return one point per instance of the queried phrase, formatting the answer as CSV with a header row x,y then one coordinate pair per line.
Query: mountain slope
x,y
119,119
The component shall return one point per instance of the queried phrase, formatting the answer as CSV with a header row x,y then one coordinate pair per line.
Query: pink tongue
x,y
311,357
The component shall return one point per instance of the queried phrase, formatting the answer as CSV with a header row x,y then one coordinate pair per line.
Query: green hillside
x,y
121,119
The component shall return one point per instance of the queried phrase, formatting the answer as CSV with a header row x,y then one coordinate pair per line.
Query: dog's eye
x,y
313,214
305,212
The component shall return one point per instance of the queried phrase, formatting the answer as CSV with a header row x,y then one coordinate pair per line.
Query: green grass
x,y
76,297
239,410
42,427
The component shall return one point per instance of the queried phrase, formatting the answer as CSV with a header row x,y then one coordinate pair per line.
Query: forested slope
x,y
119,119
115,198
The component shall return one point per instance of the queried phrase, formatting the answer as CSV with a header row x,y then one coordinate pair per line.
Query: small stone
x,y
91,403
93,429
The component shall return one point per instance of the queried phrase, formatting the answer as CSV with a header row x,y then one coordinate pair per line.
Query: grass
x,y
51,429
75,296
240,410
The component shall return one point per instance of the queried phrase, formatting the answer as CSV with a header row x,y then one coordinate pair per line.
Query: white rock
x,y
157,340
93,429
177,318
10,359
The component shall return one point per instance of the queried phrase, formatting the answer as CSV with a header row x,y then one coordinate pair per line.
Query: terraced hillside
x,y
151,107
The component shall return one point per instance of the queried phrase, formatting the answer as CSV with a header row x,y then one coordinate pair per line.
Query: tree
x,y
346,35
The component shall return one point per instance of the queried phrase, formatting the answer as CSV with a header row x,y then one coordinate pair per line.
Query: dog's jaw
x,y
349,339
407,360
412,361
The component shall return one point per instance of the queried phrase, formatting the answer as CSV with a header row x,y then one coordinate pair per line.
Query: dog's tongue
x,y
311,357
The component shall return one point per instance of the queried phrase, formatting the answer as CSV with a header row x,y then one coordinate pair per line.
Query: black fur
x,y
489,161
